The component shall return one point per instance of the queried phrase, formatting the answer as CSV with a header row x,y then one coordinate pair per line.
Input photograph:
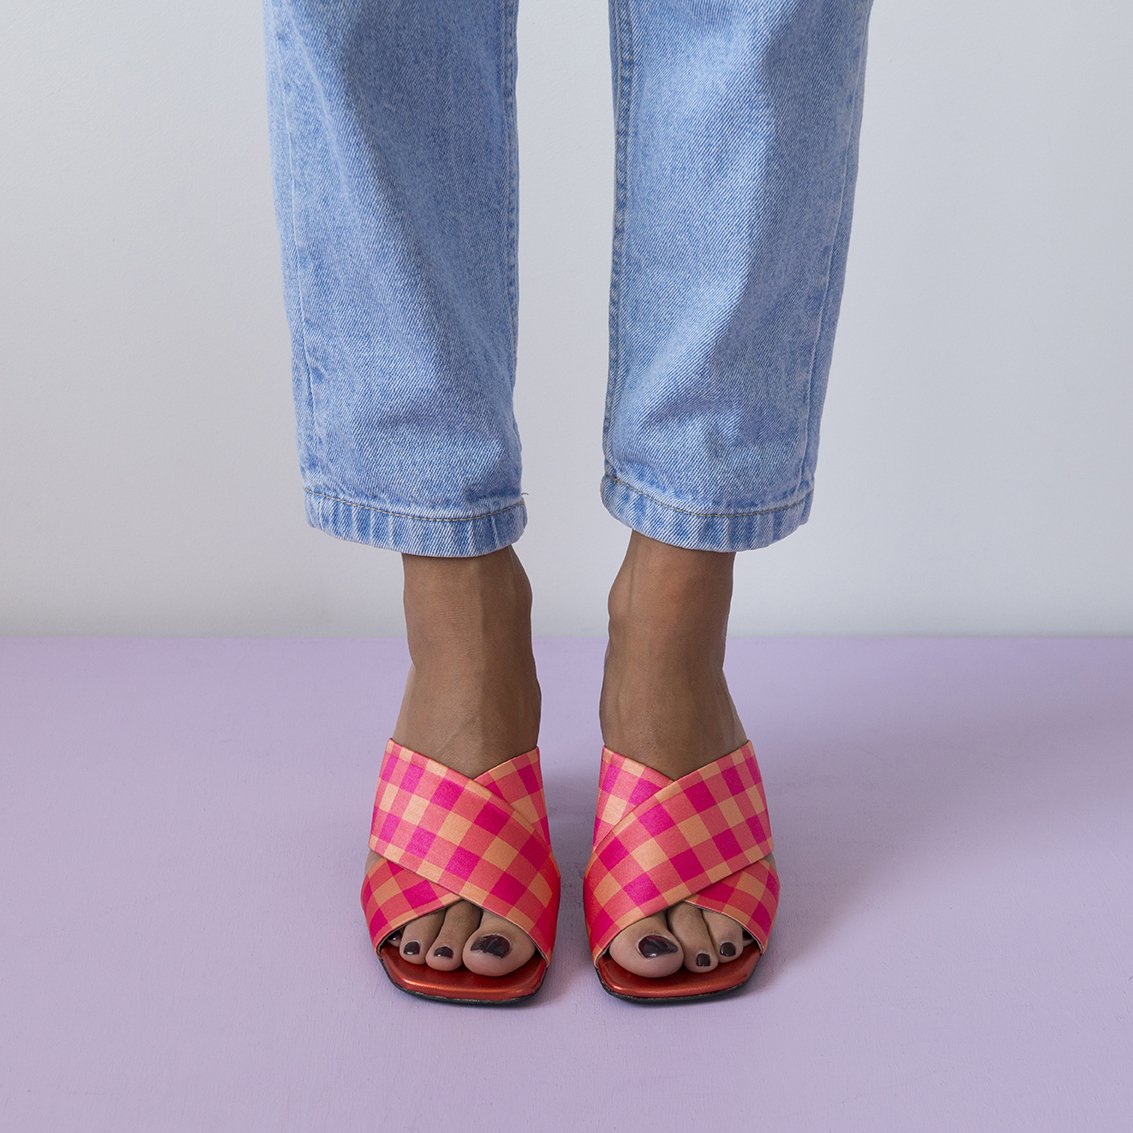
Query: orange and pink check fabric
x,y
445,837
704,838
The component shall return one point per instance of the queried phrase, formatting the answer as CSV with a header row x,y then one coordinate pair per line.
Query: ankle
x,y
665,699
671,605
672,725
472,697
477,608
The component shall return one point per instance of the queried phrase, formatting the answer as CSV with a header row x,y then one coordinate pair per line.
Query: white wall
x,y
976,463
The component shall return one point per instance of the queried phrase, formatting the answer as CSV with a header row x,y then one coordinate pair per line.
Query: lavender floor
x,y
183,825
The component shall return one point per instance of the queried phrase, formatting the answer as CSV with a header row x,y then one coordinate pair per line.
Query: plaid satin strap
x,y
445,837
704,838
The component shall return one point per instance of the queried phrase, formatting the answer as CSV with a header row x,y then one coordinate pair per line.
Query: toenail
x,y
494,944
444,951
727,949
703,960
653,946
412,948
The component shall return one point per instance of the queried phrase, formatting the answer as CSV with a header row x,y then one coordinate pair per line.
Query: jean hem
x,y
437,536
703,530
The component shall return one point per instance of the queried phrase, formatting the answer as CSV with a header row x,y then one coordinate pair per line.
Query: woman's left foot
x,y
665,703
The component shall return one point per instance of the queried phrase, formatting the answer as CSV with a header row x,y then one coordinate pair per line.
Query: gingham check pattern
x,y
704,838
445,837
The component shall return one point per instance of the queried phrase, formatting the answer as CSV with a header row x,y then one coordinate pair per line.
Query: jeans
x,y
395,170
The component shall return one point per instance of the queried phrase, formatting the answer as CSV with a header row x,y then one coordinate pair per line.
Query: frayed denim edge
x,y
450,537
699,530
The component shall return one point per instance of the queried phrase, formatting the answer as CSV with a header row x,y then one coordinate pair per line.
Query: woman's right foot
x,y
472,701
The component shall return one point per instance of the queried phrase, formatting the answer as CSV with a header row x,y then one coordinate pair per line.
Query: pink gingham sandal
x,y
704,838
444,838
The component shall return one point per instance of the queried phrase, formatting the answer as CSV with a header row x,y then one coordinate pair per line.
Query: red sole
x,y
680,986
462,986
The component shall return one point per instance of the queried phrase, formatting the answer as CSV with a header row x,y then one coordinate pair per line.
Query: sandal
x,y
704,838
443,838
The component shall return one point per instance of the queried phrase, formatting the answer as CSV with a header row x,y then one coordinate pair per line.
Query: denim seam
x,y
508,13
624,89
316,428
410,515
793,502
830,258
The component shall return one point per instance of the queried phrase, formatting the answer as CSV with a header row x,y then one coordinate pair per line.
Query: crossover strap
x,y
706,833
446,837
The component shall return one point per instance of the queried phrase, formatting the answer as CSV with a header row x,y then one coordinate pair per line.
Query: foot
x,y
472,701
665,703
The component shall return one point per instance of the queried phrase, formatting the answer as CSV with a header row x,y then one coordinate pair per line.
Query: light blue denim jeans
x,y
393,141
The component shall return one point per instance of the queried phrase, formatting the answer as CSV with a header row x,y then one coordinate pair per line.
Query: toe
x,y
418,935
687,924
647,948
727,935
460,920
497,947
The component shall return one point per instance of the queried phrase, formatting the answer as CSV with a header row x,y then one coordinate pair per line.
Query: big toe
x,y
497,947
648,948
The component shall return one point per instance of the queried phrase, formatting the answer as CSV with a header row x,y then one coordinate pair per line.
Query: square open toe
x,y
444,837
704,838
462,986
680,986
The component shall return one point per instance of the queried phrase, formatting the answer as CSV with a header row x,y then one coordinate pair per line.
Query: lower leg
x,y
665,701
399,275
731,230
472,697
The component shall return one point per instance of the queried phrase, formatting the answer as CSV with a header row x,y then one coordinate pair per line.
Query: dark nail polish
x,y
493,944
653,946
444,951
412,948
727,949
703,959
